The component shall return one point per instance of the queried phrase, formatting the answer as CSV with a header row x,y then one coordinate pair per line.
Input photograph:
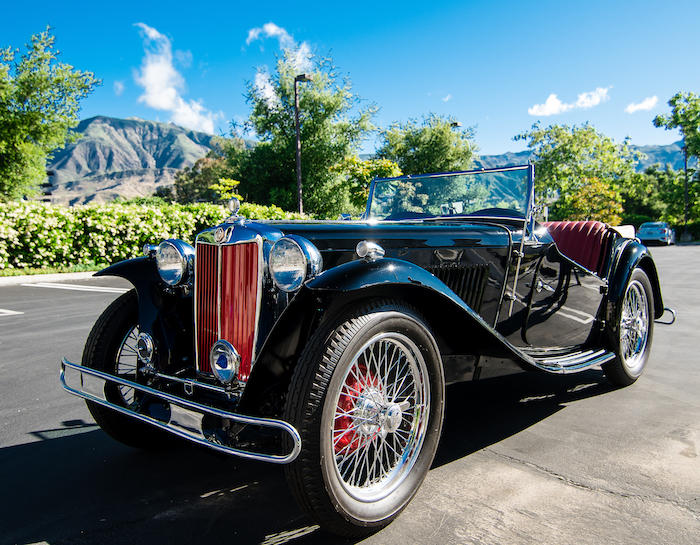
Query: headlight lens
x,y
293,261
173,259
225,361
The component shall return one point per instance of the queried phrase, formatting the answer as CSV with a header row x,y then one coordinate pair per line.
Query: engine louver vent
x,y
468,282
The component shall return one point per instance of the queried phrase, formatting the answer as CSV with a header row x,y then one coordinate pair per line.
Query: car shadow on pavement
x,y
482,413
76,485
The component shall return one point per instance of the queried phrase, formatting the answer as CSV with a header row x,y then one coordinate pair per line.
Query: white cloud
x,y
163,84
271,30
551,106
554,106
265,89
447,98
301,52
118,87
647,104
301,57
588,100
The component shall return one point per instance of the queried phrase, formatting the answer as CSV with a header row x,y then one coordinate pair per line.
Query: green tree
x,y
573,163
39,104
329,133
670,187
225,189
685,116
644,199
359,173
194,184
436,145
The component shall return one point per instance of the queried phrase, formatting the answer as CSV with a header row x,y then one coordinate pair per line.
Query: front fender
x,y
457,328
143,275
155,304
361,274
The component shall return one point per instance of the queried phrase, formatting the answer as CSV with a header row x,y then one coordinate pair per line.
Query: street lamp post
x,y
297,79
686,235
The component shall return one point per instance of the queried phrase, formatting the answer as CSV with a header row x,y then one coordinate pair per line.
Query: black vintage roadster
x,y
327,345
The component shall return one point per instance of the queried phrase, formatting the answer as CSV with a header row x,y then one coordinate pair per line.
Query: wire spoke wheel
x,y
111,348
367,399
126,366
631,336
634,324
380,416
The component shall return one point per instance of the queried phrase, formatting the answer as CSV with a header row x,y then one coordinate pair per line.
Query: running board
x,y
568,362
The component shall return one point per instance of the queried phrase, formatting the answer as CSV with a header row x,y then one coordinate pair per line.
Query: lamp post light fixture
x,y
297,79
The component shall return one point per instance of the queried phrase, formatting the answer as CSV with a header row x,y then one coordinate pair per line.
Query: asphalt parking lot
x,y
523,459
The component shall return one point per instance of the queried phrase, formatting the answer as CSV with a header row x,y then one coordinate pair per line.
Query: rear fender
x,y
634,255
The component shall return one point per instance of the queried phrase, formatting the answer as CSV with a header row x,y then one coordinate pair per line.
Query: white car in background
x,y
656,231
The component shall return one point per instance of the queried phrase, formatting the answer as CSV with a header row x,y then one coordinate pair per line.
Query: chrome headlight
x,y
293,261
174,259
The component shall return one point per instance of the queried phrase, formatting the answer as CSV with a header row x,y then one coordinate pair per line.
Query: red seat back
x,y
584,242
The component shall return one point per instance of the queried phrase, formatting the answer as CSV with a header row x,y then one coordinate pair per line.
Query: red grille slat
x,y
228,311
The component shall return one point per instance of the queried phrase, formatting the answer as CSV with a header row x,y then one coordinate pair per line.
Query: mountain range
x,y
123,157
133,157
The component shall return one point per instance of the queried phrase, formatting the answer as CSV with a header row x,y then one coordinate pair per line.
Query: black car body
x,y
326,345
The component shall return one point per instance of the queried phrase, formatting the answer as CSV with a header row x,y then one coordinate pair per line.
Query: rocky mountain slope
x,y
123,157
132,157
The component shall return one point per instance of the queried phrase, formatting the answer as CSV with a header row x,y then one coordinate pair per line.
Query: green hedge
x,y
40,235
693,229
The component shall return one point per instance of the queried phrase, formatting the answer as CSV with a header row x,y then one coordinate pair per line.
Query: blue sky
x,y
499,66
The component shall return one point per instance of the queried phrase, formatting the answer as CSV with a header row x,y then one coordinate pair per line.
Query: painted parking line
x,y
76,287
4,312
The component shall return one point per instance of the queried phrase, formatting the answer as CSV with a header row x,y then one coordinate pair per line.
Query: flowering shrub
x,y
40,235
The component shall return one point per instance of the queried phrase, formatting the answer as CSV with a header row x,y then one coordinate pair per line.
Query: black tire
x,y
110,348
367,399
633,331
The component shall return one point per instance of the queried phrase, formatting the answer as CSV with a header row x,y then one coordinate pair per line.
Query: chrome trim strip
x,y
258,308
186,416
219,275
190,385
576,361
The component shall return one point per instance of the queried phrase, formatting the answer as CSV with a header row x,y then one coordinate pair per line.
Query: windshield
x,y
498,192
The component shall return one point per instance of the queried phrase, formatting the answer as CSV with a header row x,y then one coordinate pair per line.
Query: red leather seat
x,y
584,242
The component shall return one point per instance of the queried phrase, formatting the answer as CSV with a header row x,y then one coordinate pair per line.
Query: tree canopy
x,y
581,173
667,187
359,174
333,124
39,104
438,144
685,115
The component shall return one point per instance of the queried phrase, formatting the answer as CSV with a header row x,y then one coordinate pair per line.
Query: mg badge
x,y
219,235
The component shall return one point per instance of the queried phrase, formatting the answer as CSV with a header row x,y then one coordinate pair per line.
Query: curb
x,y
34,278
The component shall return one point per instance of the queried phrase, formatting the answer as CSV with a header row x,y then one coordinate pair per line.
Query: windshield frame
x,y
529,202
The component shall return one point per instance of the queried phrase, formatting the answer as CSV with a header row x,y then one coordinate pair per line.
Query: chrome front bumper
x,y
185,416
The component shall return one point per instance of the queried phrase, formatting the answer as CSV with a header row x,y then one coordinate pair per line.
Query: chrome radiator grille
x,y
227,300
